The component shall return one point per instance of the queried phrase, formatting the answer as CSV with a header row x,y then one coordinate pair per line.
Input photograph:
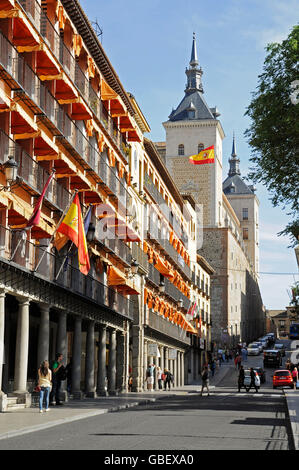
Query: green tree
x,y
274,131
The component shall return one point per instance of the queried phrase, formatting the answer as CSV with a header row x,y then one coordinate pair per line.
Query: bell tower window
x,y
181,149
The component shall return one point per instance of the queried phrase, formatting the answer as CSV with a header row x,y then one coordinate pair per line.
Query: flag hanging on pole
x,y
205,156
71,250
73,228
35,218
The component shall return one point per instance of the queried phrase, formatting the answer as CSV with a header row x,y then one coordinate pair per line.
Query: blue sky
x,y
149,46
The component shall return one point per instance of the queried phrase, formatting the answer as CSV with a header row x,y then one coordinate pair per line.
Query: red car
x,y
282,378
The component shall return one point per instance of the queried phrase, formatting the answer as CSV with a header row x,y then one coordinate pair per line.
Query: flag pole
x,y
67,254
55,231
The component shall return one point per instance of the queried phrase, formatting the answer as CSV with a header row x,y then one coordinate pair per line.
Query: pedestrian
x,y
57,368
241,378
130,383
226,355
295,377
159,378
68,370
150,377
288,364
205,380
239,361
217,363
253,382
45,384
167,379
236,361
213,367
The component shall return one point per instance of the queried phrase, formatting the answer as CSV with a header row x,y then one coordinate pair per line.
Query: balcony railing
x,y
160,324
33,174
70,132
68,61
27,255
116,245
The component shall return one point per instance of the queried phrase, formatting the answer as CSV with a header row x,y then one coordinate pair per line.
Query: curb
x,y
50,424
293,420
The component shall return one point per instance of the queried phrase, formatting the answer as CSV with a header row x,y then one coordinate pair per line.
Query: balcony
x,y
114,245
141,258
164,327
54,116
26,255
77,75
33,175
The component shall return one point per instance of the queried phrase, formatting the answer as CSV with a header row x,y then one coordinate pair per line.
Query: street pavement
x,y
261,420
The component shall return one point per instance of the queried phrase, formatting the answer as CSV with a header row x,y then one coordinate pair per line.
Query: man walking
x,y
241,378
205,380
56,379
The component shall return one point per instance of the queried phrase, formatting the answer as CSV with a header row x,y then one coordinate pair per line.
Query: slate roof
x,y
202,110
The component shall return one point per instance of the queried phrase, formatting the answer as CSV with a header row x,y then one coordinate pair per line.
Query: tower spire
x,y
193,73
234,161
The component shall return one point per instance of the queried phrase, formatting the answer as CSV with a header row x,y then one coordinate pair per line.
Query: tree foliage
x,y
274,131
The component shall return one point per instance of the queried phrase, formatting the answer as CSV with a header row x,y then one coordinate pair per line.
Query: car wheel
x,y
291,386
274,386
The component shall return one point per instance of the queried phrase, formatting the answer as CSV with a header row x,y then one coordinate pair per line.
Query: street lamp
x,y
134,269
162,287
91,232
11,173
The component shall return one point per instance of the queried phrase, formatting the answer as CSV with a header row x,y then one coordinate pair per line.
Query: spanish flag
x,y
73,228
205,156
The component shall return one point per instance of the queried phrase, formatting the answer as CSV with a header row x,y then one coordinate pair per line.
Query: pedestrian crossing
x,y
241,394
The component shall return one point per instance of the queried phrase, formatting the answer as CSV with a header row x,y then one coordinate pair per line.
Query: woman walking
x,y
45,384
295,377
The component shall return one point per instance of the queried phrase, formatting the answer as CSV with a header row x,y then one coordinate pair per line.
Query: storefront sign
x,y
172,354
153,350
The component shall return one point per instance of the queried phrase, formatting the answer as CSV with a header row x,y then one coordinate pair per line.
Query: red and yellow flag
x,y
73,228
205,156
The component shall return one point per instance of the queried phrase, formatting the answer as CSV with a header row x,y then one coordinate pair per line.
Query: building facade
x,y
229,212
65,113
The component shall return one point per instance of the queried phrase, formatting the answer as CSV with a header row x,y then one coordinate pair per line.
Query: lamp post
x,y
11,173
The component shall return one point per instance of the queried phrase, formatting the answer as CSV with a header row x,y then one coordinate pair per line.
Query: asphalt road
x,y
226,420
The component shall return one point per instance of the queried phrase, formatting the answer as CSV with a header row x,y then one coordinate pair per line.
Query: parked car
x,y
272,358
282,378
280,347
253,349
247,379
259,343
265,342
261,373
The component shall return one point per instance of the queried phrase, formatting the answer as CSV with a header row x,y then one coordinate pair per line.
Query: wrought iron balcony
x,y
167,328
33,175
49,110
79,78
53,269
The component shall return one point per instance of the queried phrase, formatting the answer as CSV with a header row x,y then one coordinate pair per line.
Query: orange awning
x,y
117,278
21,128
42,148
162,267
45,65
64,89
80,111
6,4
23,34
107,93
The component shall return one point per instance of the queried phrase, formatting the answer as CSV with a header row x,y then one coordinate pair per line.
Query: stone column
x,y
61,347
162,358
3,396
112,363
43,334
144,366
22,348
179,369
166,361
121,376
137,358
76,359
61,338
156,363
89,361
101,373
175,371
182,370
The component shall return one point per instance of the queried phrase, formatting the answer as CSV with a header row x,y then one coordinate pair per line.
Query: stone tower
x,y
243,200
191,127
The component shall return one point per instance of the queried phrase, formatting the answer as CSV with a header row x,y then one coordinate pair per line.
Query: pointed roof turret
x,y
194,60
234,161
234,184
193,106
